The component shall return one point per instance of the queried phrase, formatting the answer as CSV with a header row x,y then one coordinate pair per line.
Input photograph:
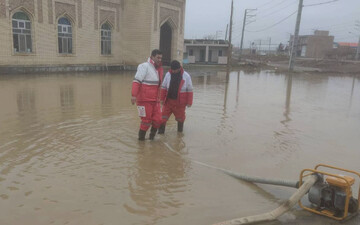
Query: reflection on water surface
x,y
69,152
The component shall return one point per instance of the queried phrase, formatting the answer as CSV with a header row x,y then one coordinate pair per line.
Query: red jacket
x,y
146,84
185,92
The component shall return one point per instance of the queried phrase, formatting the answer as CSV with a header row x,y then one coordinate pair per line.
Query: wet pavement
x,y
69,152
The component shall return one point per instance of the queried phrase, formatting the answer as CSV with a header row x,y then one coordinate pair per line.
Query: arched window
x,y
21,25
65,36
105,39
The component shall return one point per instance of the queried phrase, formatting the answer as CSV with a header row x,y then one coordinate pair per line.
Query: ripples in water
x,y
69,152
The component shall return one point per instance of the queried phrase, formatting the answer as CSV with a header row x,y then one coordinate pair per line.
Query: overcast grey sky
x,y
208,17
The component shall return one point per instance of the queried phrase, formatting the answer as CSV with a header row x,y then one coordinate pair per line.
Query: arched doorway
x,y
165,42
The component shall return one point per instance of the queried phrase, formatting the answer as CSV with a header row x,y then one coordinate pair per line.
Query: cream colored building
x,y
73,35
206,51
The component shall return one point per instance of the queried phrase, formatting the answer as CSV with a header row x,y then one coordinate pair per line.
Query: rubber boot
x,y
162,129
142,135
180,126
152,133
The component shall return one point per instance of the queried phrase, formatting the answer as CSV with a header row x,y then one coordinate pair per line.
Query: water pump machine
x,y
332,195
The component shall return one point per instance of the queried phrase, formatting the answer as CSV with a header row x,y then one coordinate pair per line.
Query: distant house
x,y
206,51
313,46
343,50
345,44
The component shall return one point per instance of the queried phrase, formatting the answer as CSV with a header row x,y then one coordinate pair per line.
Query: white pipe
x,y
286,206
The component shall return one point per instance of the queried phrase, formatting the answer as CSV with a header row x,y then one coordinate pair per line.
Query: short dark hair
x,y
156,52
175,65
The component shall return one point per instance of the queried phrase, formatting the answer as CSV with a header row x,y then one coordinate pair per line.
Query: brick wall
x,y
133,35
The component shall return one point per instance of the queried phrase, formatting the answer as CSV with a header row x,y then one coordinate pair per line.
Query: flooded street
x,y
69,152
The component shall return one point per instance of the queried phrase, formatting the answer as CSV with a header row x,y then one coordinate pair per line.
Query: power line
x,y
273,24
266,3
273,12
269,14
322,3
277,4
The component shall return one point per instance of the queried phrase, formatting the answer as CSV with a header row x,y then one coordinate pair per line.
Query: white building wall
x,y
214,52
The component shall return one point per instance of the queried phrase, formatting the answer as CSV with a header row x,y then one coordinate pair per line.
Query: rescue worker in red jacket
x,y
176,94
146,93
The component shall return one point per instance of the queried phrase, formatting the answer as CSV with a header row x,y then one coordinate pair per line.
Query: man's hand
x,y
188,106
133,100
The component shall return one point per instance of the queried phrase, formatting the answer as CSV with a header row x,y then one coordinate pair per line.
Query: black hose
x,y
252,179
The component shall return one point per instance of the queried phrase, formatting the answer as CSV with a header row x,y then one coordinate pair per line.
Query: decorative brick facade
x,y
96,6
2,8
180,4
136,32
79,9
156,5
62,8
106,15
27,4
102,3
50,12
169,13
40,11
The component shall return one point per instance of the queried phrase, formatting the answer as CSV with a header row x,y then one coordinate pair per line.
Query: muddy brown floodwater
x,y
69,152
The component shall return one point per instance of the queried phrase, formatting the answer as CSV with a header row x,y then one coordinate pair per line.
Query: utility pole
x,y
243,28
269,45
227,27
296,37
242,35
357,28
260,46
230,34
358,50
